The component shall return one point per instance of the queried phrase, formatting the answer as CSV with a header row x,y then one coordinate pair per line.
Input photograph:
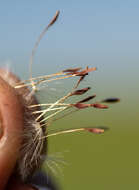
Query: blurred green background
x,y
100,33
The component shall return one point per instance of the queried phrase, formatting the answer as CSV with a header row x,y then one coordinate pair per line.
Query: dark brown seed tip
x,y
81,91
87,99
81,106
99,106
54,18
72,70
95,130
85,71
111,100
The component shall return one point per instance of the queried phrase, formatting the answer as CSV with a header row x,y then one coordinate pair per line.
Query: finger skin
x,y
11,125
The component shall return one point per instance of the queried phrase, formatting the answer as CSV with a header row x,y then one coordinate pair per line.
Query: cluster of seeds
x,y
37,116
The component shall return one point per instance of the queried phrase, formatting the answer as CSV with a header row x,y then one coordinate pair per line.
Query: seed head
x,y
38,117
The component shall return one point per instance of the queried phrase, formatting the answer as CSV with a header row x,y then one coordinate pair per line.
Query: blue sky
x,y
95,27
99,33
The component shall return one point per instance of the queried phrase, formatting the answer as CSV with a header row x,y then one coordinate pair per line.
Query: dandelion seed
x,y
96,105
81,105
95,130
100,106
87,99
74,130
81,91
111,100
73,70
79,81
85,71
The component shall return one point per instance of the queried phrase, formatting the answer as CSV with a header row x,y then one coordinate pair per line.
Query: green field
x,y
109,160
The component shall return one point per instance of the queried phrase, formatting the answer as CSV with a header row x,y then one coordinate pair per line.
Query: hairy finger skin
x,y
11,125
32,150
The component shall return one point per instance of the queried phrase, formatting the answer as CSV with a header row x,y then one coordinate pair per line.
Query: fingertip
x,y
11,124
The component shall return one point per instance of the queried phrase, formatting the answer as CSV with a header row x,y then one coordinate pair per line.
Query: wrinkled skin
x,y
11,125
